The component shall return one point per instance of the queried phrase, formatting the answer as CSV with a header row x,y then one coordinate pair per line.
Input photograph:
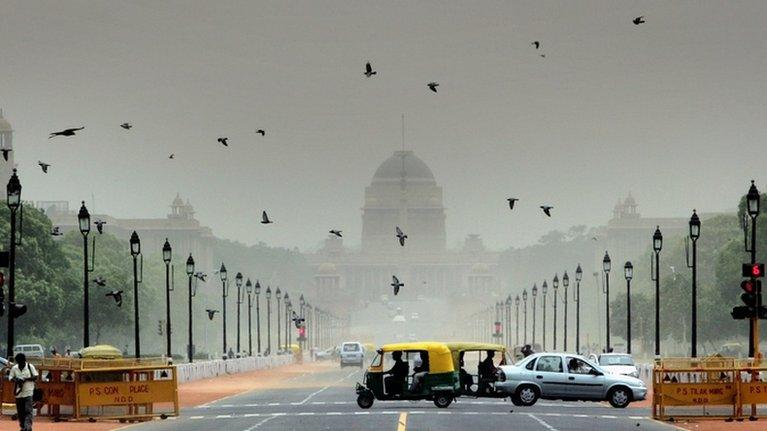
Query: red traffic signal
x,y
2,279
748,286
497,327
755,270
302,332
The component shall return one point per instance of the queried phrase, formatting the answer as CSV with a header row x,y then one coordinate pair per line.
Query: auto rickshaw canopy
x,y
456,348
440,360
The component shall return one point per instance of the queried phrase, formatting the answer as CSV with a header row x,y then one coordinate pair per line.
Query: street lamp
x,y
286,303
258,316
135,250
544,292
278,296
565,283
535,293
508,320
302,304
166,257
190,273
657,245
268,320
606,268
628,272
555,285
752,205
249,290
224,293
84,220
694,235
524,299
578,278
516,323
238,283
13,200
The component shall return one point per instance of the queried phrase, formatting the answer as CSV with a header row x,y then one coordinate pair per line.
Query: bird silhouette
x,y
401,235
201,276
547,209
211,313
126,126
100,225
433,86
66,132
265,218
100,281
5,153
224,141
117,295
512,201
261,132
395,283
44,166
536,44
638,20
594,238
336,233
369,70
56,231
172,155
543,55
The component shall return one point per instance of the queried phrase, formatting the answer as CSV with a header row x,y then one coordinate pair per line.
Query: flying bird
x,y
67,132
336,233
433,86
261,132
543,55
395,283
211,313
536,44
547,209
100,281
5,153
401,235
201,276
369,70
172,155
639,20
117,295
126,126
224,141
512,201
100,225
56,231
594,238
265,218
44,166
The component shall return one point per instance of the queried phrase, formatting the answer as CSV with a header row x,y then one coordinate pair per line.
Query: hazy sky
x,y
673,110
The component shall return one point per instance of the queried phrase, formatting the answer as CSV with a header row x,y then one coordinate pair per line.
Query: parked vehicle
x,y
427,373
29,350
618,363
477,374
352,353
566,377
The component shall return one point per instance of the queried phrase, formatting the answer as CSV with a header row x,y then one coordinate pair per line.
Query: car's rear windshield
x,y
616,360
351,347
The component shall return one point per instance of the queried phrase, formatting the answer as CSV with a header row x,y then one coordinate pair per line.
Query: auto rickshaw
x,y
416,371
476,370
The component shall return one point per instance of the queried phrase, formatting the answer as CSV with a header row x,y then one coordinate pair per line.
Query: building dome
x,y
327,268
480,268
403,164
5,126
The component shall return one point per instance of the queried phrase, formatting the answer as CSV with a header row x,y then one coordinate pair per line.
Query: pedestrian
x,y
23,375
230,353
68,352
55,353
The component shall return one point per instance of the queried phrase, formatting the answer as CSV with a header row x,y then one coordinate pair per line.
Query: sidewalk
x,y
189,395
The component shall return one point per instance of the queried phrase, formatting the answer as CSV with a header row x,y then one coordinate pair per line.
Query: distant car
x,y
29,350
567,377
326,354
352,353
618,363
414,316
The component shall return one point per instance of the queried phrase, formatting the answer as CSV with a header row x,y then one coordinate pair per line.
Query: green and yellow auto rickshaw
x,y
477,365
410,371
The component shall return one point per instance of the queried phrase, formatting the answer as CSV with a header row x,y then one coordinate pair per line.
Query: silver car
x,y
566,377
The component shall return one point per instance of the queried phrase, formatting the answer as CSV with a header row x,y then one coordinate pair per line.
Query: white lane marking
x,y
536,416
251,415
223,416
306,414
197,417
261,423
361,413
318,403
542,422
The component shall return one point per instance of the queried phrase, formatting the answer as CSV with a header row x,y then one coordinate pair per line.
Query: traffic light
x,y
755,270
749,292
16,310
159,327
497,329
302,333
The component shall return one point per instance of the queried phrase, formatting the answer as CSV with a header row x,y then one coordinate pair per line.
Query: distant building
x,y
404,193
183,231
6,143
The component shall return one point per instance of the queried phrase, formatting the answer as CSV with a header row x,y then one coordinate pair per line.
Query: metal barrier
x,y
103,389
710,388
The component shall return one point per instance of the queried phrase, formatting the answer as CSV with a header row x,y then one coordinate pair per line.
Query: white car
x,y
618,363
352,353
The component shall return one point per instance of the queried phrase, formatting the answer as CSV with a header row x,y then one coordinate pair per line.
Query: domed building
x,y
403,193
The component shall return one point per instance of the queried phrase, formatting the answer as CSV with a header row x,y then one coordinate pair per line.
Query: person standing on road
x,y
23,374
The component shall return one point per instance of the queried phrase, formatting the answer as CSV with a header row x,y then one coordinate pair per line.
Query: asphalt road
x,y
326,401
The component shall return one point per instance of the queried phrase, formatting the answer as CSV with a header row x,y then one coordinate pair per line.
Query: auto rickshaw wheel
x,y
364,401
443,400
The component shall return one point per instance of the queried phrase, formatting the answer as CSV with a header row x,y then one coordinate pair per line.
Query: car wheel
x,y
619,397
442,400
515,400
527,395
364,401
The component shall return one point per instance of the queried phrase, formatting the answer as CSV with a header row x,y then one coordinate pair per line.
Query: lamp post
x,y
14,202
516,324
190,273
135,250
606,268
286,303
278,296
508,320
84,220
166,257
578,278
302,304
258,317
524,299
224,293
544,293
752,206
657,245
555,285
249,290
628,272
238,283
535,293
565,283
269,320
694,235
